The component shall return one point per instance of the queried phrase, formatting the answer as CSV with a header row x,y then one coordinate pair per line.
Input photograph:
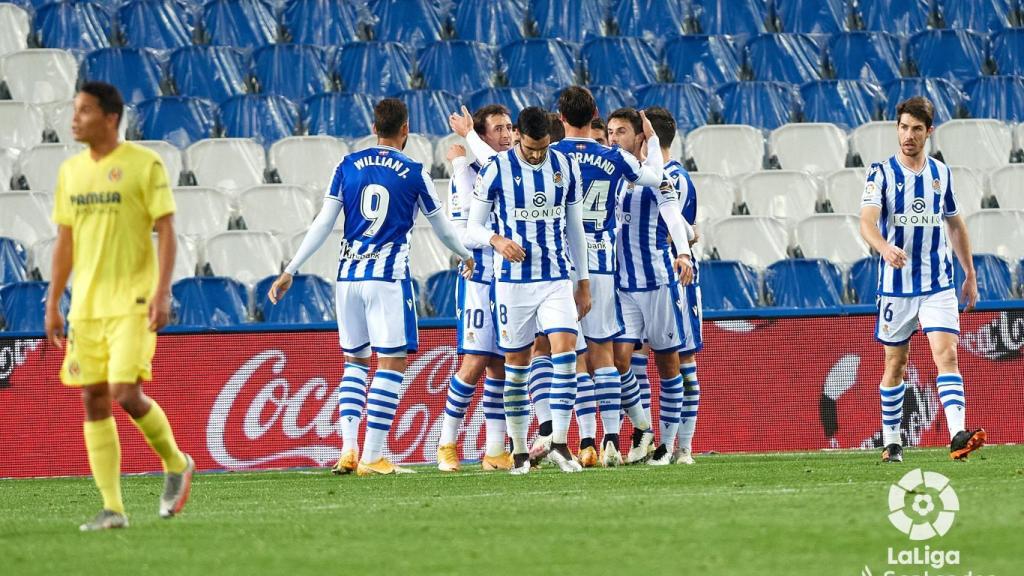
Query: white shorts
x,y
668,317
376,315
603,322
476,318
524,309
899,316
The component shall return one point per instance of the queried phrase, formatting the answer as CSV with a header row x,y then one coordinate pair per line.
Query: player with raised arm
x,y
380,189
910,215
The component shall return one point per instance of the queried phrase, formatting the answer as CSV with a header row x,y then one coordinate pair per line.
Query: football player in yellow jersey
x,y
108,200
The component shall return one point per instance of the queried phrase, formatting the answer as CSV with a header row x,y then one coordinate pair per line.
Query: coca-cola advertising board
x,y
258,400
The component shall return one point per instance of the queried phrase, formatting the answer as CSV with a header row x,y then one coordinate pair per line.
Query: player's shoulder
x,y
940,165
76,160
136,153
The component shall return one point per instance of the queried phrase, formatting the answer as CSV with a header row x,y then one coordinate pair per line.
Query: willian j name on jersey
x,y
385,161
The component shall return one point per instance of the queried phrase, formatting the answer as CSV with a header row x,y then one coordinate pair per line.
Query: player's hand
x,y
54,323
462,123
159,310
582,297
648,127
684,269
279,287
456,151
970,292
467,268
508,249
894,256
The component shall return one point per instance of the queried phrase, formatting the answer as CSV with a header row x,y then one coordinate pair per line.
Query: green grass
x,y
812,513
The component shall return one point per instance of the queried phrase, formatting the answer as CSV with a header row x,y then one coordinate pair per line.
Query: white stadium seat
x,y
441,189
834,237
999,232
844,189
185,259
58,115
427,254
754,240
23,124
812,147
677,149
715,196
787,194
245,255
1019,135
441,152
25,217
40,75
308,161
277,208
417,147
39,164
171,156
323,262
202,212
1007,185
232,164
982,144
969,187
728,150
874,141
14,29
41,257
8,158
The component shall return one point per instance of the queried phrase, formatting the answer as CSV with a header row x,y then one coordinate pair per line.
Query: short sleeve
x,y
575,192
426,195
487,182
336,183
159,199
950,205
62,216
874,187
628,164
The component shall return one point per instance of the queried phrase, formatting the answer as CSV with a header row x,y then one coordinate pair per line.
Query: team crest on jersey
x,y
115,174
557,178
937,186
74,369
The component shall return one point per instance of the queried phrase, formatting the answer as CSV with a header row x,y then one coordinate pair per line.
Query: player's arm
x,y
60,272
430,206
869,231
961,242
315,237
651,172
166,250
680,231
480,207
462,124
577,240
461,190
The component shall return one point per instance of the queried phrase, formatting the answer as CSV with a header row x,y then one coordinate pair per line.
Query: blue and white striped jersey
x,y
914,206
529,204
380,190
602,168
458,209
683,184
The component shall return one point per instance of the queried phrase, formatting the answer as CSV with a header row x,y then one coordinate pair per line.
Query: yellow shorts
x,y
116,350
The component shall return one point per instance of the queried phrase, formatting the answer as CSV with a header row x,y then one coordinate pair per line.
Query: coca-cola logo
x,y
14,353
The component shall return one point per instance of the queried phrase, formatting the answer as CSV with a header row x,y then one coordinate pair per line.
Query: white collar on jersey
x,y
905,167
547,158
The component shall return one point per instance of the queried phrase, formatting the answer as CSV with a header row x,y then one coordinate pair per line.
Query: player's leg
x,y
670,403
897,322
496,457
585,408
516,306
693,342
556,316
667,328
638,364
541,372
600,326
354,340
461,388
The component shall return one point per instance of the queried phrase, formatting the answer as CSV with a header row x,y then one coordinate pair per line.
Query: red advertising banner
x,y
268,399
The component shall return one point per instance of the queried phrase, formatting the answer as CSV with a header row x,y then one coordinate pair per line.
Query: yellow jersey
x,y
111,206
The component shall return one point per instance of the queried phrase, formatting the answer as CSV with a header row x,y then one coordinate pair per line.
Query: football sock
x,y
157,430
951,394
631,401
892,412
381,403
639,365
670,402
563,395
460,394
351,400
494,415
586,405
608,394
690,406
517,407
104,450
541,371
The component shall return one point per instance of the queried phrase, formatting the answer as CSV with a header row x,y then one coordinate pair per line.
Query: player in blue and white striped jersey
x,y
381,190
910,216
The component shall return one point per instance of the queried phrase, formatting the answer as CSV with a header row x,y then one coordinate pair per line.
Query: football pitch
x,y
815,513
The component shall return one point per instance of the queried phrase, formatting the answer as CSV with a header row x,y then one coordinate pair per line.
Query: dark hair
x,y
629,115
664,124
108,96
598,124
389,115
533,122
576,104
480,116
919,107
557,129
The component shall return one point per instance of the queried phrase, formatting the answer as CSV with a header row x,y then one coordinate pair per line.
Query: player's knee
x,y
945,357
623,364
895,366
130,397
97,401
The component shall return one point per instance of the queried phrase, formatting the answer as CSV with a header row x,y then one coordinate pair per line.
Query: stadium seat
x,y
307,161
789,195
13,261
22,306
245,255
1007,51
239,23
232,164
374,68
903,17
38,76
513,98
811,16
325,261
25,218
619,61
338,114
265,118
728,285
715,196
202,212
735,17
41,258
441,157
999,97
290,70
947,98
653,20
726,150
209,301
437,66
950,54
982,144
215,73
311,300
179,120
844,189
848,103
570,20
414,23
766,105
441,293
868,56
185,258
38,165
811,147
15,25
754,240
417,147
833,237
690,104
426,253
157,24
489,21
278,208
7,162
874,141
999,232
995,282
864,280
1007,185
171,156
800,283
134,71
429,110
538,63
79,25
320,23
707,60
793,58
58,116
980,15
970,189
23,124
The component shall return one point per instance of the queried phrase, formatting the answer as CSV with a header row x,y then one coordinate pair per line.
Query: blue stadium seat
x,y
429,110
180,120
979,15
22,306
215,73
995,282
708,60
732,17
239,23
608,98
263,117
904,17
728,285
811,16
515,99
791,58
339,114
13,261
412,22
766,105
489,21
1008,51
134,71
848,103
570,20
81,25
947,98
539,63
804,283
950,54
320,22
458,66
157,24
441,293
690,104
620,61
871,56
310,300
654,20
375,68
864,280
291,70
1000,97
209,301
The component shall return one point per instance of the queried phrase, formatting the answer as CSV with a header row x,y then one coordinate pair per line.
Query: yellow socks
x,y
104,450
157,430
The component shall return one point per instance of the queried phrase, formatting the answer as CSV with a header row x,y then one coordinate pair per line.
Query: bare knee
x,y
895,367
945,358
131,399
394,364
97,402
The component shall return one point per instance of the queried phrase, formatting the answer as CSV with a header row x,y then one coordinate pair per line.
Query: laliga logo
x,y
914,499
